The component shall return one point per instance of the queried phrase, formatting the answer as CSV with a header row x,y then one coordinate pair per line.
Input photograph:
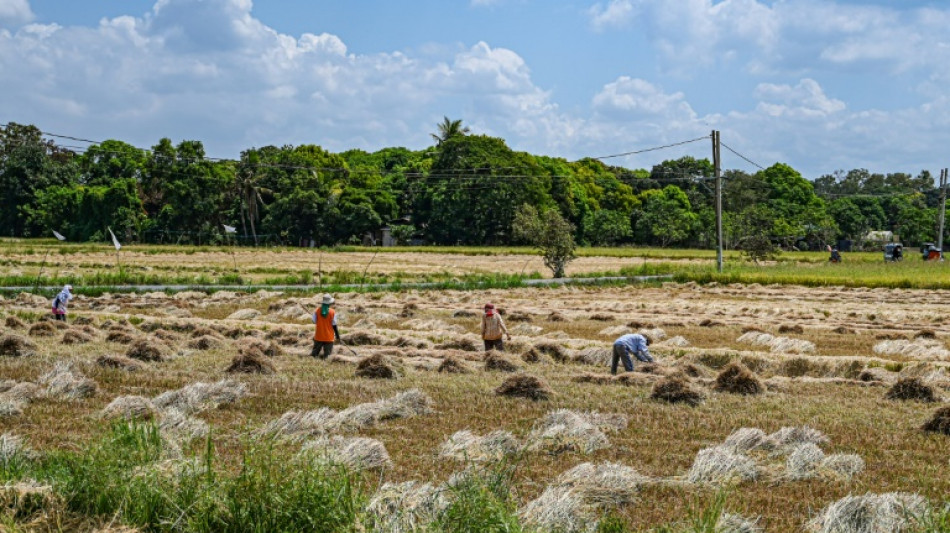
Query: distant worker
x,y
325,331
493,327
631,343
898,253
61,302
835,256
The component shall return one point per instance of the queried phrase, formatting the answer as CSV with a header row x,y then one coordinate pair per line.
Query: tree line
x,y
465,189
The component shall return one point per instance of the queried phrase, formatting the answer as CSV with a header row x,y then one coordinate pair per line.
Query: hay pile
x,y
495,361
130,408
602,317
578,497
892,512
594,355
43,329
12,446
14,322
844,330
793,328
205,342
268,348
355,453
15,397
777,344
526,329
675,389
64,383
405,507
939,422
244,314
737,379
76,336
564,430
377,366
911,389
323,421
16,346
524,386
166,335
454,365
120,337
518,316
147,350
363,338
925,334
465,446
119,362
721,466
466,344
927,349
630,379
676,342
461,313
553,350
250,361
555,317
201,396
176,426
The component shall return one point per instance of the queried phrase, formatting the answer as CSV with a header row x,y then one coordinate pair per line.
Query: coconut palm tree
x,y
448,129
249,192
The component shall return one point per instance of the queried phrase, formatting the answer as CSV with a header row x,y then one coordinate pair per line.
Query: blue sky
x,y
819,85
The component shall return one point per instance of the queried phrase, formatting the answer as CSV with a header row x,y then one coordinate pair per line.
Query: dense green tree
x,y
666,216
607,227
476,186
550,233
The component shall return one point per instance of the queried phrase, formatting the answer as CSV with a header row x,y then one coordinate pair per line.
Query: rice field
x,y
770,408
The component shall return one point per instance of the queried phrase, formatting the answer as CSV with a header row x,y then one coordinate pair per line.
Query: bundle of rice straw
x,y
917,349
576,499
64,383
355,453
323,421
130,408
177,426
721,466
524,386
777,344
892,512
565,430
119,362
12,446
466,446
201,396
405,507
16,346
15,397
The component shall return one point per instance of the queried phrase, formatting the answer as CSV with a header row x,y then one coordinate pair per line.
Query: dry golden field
x,y
833,355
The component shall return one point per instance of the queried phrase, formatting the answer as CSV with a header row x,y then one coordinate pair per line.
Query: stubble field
x,y
824,358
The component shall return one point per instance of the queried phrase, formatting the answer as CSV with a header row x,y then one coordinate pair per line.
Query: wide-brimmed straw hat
x,y
327,299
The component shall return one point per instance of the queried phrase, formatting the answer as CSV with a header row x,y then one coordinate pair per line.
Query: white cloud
x,y
211,71
15,11
617,14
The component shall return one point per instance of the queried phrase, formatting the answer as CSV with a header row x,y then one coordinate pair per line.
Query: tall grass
x,y
123,475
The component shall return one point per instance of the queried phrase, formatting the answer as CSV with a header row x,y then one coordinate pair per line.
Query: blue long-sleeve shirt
x,y
637,345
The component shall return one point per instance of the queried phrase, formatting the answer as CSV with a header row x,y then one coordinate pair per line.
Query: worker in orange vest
x,y
326,331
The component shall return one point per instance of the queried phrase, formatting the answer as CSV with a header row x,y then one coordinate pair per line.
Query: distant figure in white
x,y
61,302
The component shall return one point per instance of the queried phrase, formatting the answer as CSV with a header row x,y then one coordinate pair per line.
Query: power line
x,y
753,163
653,149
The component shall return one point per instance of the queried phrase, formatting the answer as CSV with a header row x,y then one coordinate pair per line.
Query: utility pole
x,y
718,170
943,209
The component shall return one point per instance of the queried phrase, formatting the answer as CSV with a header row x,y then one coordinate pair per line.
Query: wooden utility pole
x,y
718,169
943,209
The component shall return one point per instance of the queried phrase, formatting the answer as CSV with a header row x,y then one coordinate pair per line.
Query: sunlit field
x,y
390,404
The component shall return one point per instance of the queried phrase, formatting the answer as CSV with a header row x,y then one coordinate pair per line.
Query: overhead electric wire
x,y
751,162
653,149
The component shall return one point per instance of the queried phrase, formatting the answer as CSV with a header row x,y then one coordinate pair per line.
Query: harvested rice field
x,y
786,408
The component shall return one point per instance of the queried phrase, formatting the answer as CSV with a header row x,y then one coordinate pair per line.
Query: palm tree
x,y
249,191
448,129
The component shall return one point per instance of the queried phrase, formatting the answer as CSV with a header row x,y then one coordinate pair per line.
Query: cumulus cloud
x,y
15,11
617,13
210,70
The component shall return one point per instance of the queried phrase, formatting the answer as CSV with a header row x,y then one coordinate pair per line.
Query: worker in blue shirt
x,y
631,343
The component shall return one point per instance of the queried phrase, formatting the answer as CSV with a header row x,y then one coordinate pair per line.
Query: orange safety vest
x,y
324,327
